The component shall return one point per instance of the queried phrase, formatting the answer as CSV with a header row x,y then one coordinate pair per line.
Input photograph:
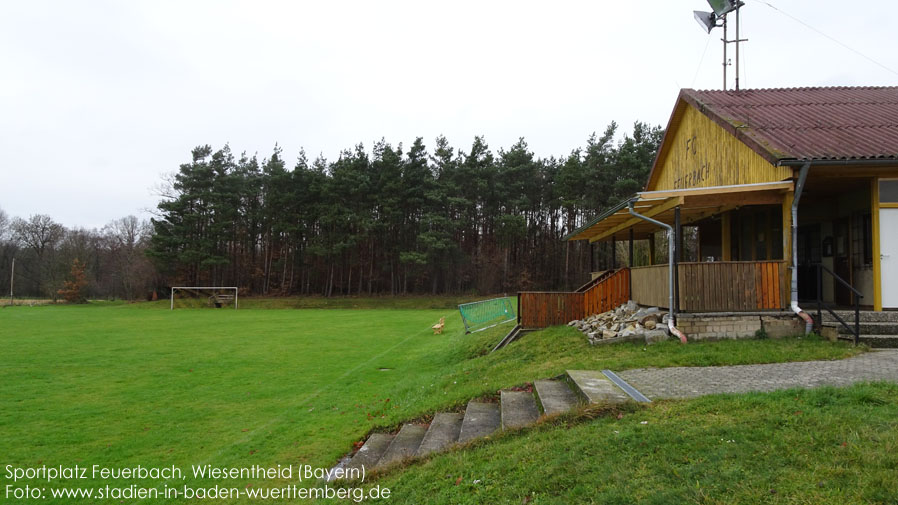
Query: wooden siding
x,y
733,286
540,309
701,154
650,285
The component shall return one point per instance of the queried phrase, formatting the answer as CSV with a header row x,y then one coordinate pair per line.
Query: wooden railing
x,y
540,309
732,286
719,286
612,292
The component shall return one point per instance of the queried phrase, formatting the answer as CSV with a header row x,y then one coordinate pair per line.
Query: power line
x,y
846,46
699,67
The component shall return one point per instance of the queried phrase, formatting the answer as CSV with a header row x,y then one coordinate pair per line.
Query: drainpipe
x,y
670,258
802,176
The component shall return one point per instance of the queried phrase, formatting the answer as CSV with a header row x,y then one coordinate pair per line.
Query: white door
x,y
888,248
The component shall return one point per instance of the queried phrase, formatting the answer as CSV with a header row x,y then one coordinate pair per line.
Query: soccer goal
x,y
485,314
205,296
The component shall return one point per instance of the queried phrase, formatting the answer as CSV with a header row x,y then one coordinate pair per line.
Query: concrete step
x,y
404,445
593,387
481,419
868,316
371,452
443,432
877,328
555,396
518,409
875,341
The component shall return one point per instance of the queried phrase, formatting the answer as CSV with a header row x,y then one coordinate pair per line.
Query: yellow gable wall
x,y
702,154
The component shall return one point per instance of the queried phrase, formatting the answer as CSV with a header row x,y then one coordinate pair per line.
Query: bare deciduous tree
x,y
4,225
126,240
40,234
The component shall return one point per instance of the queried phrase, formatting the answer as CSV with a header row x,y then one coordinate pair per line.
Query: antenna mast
x,y
709,21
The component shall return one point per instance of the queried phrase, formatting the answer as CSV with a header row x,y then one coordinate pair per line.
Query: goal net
x,y
194,297
485,314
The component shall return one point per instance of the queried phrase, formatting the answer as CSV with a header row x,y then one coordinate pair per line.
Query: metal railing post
x,y
819,299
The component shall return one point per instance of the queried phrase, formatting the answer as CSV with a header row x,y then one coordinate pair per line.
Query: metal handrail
x,y
840,279
856,331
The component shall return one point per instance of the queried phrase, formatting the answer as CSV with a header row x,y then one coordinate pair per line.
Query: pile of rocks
x,y
627,322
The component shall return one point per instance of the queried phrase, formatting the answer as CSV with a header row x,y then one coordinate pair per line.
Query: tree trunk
x,y
349,282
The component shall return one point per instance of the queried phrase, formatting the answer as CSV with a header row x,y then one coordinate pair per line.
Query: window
x,y
862,240
888,191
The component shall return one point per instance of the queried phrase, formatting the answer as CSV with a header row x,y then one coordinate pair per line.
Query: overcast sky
x,y
99,99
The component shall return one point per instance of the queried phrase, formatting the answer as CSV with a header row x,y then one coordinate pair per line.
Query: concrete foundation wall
x,y
731,325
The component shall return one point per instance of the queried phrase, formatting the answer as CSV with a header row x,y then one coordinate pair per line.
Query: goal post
x,y
485,314
218,295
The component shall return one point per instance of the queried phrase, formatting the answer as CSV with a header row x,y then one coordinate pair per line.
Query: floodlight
x,y
721,7
707,19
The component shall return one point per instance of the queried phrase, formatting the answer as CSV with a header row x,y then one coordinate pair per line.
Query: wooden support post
x,y
651,248
678,243
614,252
787,228
630,264
753,243
592,258
726,236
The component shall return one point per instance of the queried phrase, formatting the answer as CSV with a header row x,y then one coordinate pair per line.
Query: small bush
x,y
73,288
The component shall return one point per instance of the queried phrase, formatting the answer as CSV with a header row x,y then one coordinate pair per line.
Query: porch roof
x,y
695,204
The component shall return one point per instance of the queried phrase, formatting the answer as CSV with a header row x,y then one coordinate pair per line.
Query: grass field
x,y
121,385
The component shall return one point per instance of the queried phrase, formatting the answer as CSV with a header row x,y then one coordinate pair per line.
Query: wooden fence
x,y
539,309
732,286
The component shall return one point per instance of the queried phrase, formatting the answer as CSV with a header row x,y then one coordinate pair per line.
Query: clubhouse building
x,y
777,198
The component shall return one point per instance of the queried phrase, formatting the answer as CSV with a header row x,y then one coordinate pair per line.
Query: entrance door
x,y
888,247
842,261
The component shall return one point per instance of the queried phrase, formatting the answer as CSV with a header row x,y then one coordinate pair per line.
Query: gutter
x,y
671,320
868,162
802,177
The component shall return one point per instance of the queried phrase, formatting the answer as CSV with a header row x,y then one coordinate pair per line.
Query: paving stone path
x,y
690,382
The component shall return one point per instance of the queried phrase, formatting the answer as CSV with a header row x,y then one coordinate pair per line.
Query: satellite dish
x,y
707,19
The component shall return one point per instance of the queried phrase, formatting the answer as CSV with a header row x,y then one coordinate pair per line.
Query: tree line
x,y
113,258
393,220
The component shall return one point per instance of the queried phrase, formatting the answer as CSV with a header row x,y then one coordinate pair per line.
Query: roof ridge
x,y
794,88
809,102
826,127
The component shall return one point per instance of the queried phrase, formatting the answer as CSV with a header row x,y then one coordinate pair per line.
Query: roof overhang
x,y
695,204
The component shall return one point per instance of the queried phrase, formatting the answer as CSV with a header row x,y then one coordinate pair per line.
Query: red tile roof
x,y
841,123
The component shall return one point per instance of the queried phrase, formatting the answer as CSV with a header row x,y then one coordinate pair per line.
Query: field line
x,y
304,401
